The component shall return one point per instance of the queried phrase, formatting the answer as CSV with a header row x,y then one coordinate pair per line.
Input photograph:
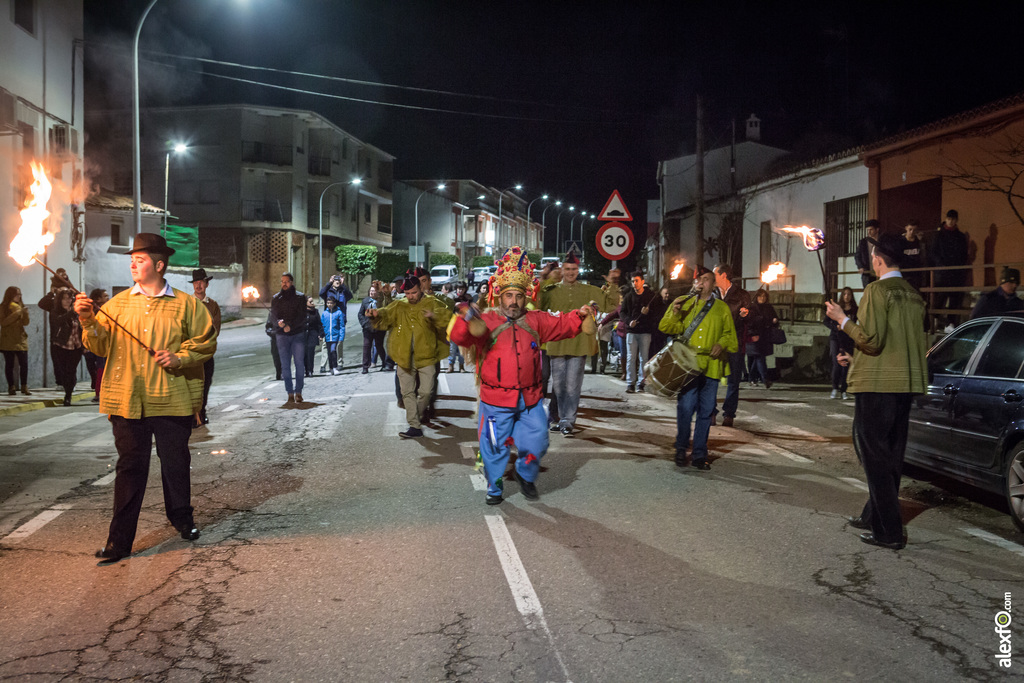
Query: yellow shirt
x,y
134,385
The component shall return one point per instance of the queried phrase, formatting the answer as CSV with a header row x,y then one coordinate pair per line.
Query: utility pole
x,y
699,232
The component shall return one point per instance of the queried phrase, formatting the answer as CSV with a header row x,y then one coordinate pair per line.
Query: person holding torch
x,y
152,387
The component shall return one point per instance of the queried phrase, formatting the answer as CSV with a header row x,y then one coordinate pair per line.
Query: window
x,y
844,224
367,212
118,236
24,14
1004,354
954,353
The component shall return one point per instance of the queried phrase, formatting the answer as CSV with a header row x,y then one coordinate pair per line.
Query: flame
x,y
678,268
774,271
31,241
814,239
250,294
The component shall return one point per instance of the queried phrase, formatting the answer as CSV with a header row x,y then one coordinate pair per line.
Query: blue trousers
x,y
698,397
289,347
526,427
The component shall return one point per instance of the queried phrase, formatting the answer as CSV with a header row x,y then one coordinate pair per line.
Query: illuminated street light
x,y
545,198
558,228
416,216
320,269
542,215
177,149
501,195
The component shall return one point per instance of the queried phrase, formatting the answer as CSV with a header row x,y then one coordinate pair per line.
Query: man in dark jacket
x,y
335,289
640,314
1002,299
862,257
913,255
371,336
288,309
948,247
738,300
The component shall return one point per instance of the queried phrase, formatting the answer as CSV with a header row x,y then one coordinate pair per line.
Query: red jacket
x,y
512,364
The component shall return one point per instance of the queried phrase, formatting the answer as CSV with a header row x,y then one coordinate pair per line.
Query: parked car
x,y
969,426
445,274
481,273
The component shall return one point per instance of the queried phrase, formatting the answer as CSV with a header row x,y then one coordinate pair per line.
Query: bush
x,y
390,264
481,261
443,259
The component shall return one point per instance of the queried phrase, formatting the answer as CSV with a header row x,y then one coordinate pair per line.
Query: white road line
x,y
377,393
790,455
442,385
45,428
233,406
36,523
525,597
468,450
479,482
255,395
1015,548
105,479
395,419
855,483
242,355
840,416
104,439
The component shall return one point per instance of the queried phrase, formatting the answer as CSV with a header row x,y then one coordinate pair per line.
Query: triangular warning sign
x,y
615,209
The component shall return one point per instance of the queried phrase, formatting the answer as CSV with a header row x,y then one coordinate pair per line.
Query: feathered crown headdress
x,y
514,271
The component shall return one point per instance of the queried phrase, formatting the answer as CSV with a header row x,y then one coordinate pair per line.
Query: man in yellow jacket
x,y
418,341
707,327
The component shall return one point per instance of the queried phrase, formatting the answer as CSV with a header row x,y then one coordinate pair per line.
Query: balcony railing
x,y
263,153
319,165
273,210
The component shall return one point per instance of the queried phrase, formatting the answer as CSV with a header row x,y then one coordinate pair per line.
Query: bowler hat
x,y
1010,275
151,243
200,274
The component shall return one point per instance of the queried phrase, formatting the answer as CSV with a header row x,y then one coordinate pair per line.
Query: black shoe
x,y
727,421
640,387
702,465
67,401
189,532
682,460
411,433
202,417
554,427
566,430
494,500
365,371
528,488
109,556
871,540
858,523
630,389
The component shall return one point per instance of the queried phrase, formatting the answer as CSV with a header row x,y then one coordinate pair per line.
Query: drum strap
x,y
697,320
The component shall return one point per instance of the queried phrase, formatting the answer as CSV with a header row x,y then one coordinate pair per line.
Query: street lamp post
x,y
320,243
136,153
543,213
558,228
178,149
501,195
528,206
416,218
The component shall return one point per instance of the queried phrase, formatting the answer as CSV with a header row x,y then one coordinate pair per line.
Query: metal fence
x,y
273,210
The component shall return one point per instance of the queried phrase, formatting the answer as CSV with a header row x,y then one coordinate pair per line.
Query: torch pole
x,y
109,317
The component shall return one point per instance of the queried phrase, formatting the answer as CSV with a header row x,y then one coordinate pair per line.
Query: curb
x,y
39,405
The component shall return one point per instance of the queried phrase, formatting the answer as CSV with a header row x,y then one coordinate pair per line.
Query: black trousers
x,y
21,358
371,340
134,442
880,423
207,381
65,366
276,356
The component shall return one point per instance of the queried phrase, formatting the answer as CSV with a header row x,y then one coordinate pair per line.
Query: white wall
x,y
797,201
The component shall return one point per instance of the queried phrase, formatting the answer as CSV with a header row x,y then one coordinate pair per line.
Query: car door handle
x,y
949,390
1012,396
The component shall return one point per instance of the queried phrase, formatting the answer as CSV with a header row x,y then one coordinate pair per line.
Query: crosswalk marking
x,y
1015,548
36,523
855,483
45,428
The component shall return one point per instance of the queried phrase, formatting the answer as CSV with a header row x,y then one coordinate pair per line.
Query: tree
x,y
999,168
356,261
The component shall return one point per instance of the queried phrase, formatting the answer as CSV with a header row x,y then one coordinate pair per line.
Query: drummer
x,y
707,322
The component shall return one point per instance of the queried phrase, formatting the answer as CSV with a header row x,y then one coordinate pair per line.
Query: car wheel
x,y
1014,483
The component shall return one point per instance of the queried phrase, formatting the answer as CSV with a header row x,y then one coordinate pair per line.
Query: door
x,y
931,418
990,397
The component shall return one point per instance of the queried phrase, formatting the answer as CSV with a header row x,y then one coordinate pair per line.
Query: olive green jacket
x,y
12,328
890,342
415,341
559,297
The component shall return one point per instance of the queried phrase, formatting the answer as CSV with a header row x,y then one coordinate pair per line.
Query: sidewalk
x,y
44,398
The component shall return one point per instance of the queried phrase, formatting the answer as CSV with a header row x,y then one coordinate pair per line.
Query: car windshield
x,y
953,353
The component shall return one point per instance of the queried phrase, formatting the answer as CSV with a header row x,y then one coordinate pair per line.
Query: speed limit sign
x,y
614,241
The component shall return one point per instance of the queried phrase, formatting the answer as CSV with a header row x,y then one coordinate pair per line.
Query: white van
x,y
445,274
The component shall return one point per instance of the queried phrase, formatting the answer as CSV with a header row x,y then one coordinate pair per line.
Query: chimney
x,y
754,128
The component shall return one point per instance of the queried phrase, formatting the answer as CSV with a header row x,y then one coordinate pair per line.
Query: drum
x,y
671,369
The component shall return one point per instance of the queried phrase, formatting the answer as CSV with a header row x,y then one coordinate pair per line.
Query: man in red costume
x,y
507,343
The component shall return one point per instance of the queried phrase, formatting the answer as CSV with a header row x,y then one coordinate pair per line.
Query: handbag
x,y
777,335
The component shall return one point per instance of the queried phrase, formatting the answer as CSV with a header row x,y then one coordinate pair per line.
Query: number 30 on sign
x,y
614,241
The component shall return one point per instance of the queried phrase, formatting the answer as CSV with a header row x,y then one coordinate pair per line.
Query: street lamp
x,y
177,149
320,268
545,198
542,215
136,154
558,228
416,216
501,195
583,214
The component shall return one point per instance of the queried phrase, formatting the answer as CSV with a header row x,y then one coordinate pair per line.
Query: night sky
x,y
591,95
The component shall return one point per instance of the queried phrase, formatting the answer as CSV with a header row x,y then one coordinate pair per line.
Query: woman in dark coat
x,y
840,341
314,333
65,338
758,337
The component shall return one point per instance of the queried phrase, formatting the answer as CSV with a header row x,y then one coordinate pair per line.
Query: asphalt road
x,y
333,550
